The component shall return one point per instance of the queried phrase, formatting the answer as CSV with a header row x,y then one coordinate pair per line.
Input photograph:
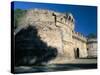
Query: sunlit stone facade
x,y
92,47
57,30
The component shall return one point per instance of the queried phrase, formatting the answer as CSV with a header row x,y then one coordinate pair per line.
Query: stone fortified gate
x,y
57,30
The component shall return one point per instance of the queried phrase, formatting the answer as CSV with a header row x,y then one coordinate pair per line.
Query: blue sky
x,y
85,16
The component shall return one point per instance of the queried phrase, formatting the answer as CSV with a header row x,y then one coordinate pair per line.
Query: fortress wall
x,y
82,47
35,16
56,30
92,47
66,28
52,39
44,21
80,42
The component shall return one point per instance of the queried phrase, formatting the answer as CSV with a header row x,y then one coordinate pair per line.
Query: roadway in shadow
x,y
54,68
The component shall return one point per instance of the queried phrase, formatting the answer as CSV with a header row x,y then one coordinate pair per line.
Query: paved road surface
x,y
77,64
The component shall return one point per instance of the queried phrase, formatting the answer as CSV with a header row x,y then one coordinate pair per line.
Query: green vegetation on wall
x,y
18,13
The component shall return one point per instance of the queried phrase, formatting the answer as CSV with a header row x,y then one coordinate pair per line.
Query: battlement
x,y
60,17
65,18
79,36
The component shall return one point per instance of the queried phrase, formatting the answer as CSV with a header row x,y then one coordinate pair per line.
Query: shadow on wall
x,y
30,50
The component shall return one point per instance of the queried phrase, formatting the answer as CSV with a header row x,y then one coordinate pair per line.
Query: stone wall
x,y
80,43
92,47
56,30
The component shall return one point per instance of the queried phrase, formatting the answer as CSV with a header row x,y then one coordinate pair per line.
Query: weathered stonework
x,y
57,30
92,47
80,43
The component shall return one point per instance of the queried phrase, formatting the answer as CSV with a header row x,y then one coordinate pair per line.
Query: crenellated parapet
x,y
79,36
65,19
47,16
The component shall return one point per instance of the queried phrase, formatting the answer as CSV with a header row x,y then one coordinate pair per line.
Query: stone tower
x,y
54,28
